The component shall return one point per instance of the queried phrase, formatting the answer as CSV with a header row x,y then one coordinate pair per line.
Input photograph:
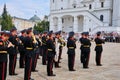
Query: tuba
x,y
62,41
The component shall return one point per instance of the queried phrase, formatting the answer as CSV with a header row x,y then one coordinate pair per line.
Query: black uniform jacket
x,y
13,40
51,48
29,46
71,46
44,39
99,43
81,41
86,45
3,51
21,46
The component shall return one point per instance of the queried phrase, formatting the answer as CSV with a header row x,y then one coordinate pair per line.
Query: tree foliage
x,y
6,22
42,26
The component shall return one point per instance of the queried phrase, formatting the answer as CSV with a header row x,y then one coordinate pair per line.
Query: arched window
x,y
90,6
101,17
62,20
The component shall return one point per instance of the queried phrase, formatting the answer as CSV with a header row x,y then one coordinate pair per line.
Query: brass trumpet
x,y
10,44
34,39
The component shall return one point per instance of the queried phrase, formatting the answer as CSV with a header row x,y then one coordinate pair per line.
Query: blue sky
x,y
26,8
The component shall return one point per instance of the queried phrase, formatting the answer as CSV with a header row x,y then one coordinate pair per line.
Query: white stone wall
x,y
91,17
116,13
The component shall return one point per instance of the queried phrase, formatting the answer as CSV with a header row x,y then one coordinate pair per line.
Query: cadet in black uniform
x,y
13,51
36,52
22,49
71,51
62,44
4,45
29,45
86,50
98,49
81,47
51,54
44,48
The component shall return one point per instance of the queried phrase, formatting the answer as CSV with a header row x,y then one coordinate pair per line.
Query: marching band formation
x,y
30,44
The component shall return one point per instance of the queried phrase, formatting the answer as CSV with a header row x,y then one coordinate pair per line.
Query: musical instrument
x,y
9,44
34,39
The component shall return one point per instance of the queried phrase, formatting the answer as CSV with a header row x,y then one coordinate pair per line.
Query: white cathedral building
x,y
85,15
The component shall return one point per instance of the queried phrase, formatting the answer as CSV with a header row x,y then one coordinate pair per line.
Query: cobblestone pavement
x,y
109,71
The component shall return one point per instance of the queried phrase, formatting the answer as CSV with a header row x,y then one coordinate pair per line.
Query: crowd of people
x,y
32,44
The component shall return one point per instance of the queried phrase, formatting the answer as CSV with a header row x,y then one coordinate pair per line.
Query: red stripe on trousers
x,y
3,72
29,71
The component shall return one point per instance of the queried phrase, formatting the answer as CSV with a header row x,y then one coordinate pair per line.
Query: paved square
x,y
109,71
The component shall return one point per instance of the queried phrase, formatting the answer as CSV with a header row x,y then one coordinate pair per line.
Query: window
x,y
62,20
102,4
74,6
61,8
101,17
90,6
62,0
53,1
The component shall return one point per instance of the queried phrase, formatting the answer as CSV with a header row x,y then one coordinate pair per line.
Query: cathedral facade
x,y
85,15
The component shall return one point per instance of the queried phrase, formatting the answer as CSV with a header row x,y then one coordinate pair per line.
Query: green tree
x,y
42,26
38,28
6,20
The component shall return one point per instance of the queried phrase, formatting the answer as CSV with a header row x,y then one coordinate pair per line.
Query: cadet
x,y
86,50
13,51
36,52
4,45
62,44
57,45
81,47
98,49
71,51
44,48
22,49
51,54
29,45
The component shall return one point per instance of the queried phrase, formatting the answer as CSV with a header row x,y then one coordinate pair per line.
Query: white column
x,y
59,24
75,27
84,24
51,24
116,13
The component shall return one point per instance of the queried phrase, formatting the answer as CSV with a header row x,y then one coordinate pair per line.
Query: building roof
x,y
35,18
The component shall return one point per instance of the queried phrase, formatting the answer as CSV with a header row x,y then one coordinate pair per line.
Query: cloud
x,y
26,8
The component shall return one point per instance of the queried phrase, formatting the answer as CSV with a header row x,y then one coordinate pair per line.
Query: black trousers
x,y
34,61
50,65
98,57
3,70
71,61
22,59
28,66
44,56
60,53
86,59
12,63
81,56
